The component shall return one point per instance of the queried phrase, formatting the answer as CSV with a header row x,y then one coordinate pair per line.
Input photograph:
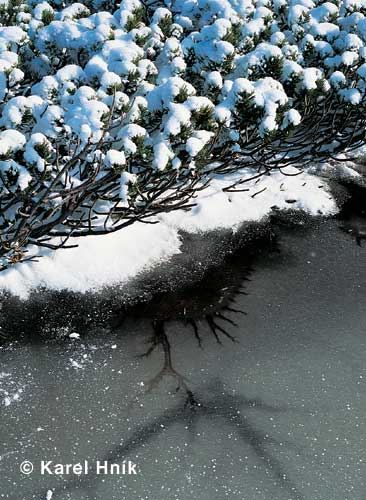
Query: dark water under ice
x,y
252,384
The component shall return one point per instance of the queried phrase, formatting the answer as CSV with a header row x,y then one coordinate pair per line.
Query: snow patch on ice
x,y
101,261
218,209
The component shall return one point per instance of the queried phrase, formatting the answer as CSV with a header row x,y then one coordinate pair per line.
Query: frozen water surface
x,y
279,414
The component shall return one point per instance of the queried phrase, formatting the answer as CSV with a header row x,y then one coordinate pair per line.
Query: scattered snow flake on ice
x,y
11,388
74,335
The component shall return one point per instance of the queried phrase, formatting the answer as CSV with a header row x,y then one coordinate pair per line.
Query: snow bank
x,y
113,259
218,209
97,262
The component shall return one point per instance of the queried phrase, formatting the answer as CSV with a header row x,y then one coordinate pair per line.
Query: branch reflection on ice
x,y
209,301
222,408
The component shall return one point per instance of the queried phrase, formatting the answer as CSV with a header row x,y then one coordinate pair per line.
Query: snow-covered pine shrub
x,y
111,113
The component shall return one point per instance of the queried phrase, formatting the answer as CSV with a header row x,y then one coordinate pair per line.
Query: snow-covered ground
x,y
100,261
